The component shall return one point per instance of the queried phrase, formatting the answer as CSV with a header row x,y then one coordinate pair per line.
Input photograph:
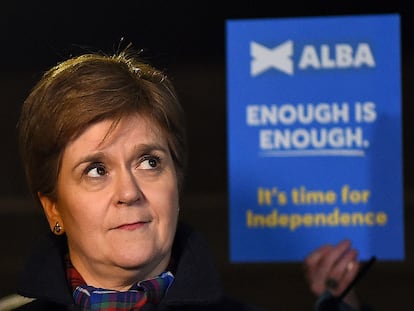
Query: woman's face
x,y
117,200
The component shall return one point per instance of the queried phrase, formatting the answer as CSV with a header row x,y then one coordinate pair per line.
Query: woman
x,y
103,147
104,151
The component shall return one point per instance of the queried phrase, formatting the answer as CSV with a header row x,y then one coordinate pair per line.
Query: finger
x,y
344,272
340,267
342,247
349,276
343,283
313,258
312,261
312,269
330,259
334,266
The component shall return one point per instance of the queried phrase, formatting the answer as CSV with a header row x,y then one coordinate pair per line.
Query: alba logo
x,y
338,56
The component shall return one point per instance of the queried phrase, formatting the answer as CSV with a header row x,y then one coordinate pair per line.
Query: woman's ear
x,y
52,214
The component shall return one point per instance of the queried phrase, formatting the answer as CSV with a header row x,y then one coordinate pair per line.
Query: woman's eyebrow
x,y
145,148
89,158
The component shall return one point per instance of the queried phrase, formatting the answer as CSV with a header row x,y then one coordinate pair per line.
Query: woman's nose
x,y
127,188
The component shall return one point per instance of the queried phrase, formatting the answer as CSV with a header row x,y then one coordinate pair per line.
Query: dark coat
x,y
197,285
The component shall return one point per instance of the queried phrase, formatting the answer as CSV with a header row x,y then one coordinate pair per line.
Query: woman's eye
x,y
96,170
149,163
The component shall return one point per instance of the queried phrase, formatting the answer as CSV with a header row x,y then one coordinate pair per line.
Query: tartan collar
x,y
141,293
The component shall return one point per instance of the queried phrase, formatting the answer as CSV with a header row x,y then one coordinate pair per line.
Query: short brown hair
x,y
87,89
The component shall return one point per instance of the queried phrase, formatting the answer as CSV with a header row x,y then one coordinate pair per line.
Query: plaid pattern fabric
x,y
91,298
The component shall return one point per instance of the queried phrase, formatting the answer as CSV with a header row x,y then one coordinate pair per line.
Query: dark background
x,y
187,39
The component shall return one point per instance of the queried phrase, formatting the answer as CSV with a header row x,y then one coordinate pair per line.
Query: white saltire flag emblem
x,y
278,58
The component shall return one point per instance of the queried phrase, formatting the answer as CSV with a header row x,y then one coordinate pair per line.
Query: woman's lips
x,y
132,226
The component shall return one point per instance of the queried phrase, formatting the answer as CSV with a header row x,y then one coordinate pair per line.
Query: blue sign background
x,y
262,180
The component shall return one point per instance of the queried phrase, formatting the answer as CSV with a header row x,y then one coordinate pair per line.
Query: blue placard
x,y
314,136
